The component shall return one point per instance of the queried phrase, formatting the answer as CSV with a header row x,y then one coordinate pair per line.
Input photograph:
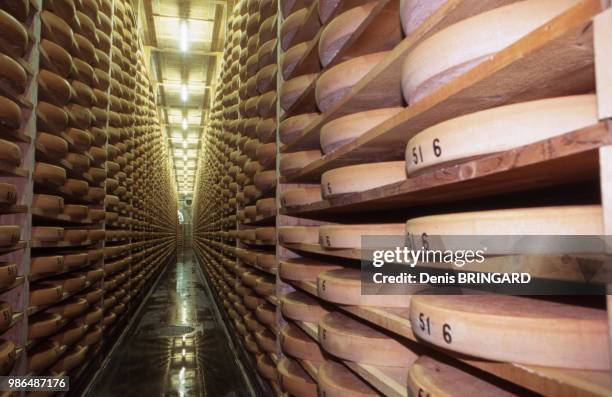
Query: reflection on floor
x,y
177,347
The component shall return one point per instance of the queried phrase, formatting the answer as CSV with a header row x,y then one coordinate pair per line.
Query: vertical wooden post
x,y
605,161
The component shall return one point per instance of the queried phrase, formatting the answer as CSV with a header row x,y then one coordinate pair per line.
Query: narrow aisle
x,y
176,347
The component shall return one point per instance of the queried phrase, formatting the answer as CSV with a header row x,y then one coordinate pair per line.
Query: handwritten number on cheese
x,y
446,334
424,324
436,147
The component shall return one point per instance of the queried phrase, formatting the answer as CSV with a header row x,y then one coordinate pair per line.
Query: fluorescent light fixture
x,y
185,124
184,93
185,144
184,36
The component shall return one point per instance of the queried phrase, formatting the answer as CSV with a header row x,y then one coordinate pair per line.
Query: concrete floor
x,y
177,346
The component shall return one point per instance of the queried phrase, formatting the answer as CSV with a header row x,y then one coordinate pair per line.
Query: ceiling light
x,y
184,93
185,124
184,36
185,144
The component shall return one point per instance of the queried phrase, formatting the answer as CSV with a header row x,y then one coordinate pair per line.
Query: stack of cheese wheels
x,y
350,236
514,329
304,269
301,196
508,127
294,380
346,129
434,377
361,177
336,380
292,127
337,82
301,307
298,235
460,47
296,343
355,341
291,163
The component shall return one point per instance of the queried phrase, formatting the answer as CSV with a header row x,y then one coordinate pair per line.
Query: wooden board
x,y
335,380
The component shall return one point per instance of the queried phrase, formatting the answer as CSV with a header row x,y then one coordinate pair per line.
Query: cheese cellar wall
x,y
88,214
336,119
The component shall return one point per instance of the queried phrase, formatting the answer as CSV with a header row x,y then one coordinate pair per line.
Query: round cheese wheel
x,y
265,286
46,264
93,296
266,261
266,367
349,236
47,234
292,90
10,153
71,282
250,212
10,115
551,221
336,380
361,177
294,380
301,307
43,324
8,274
6,315
76,211
291,26
266,341
266,79
20,9
266,234
292,127
9,235
45,293
301,196
251,192
266,130
265,180
346,129
84,95
97,174
48,204
96,234
355,341
55,58
13,36
298,234
294,162
344,286
49,174
298,344
8,193
95,255
7,356
514,329
13,74
304,269
266,153
340,30
75,187
53,88
55,147
498,129
73,357
266,207
93,336
82,139
51,118
96,215
458,48
337,82
252,301
266,53
266,313
69,308
266,104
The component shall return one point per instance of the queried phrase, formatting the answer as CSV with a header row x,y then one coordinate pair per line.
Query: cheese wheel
x,y
8,274
55,147
47,234
75,187
267,52
266,104
53,88
266,341
266,234
96,215
13,74
79,116
349,236
336,380
51,118
10,116
304,269
19,9
292,127
6,315
7,356
291,58
433,377
43,324
13,36
514,329
458,48
266,79
337,82
266,261
82,139
498,129
10,153
301,307
340,30
252,324
251,192
265,286
49,174
55,58
250,212
266,313
291,26
266,367
9,235
46,264
96,234
346,129
294,380
266,207
266,130
294,162
69,308
8,193
361,177
83,94
266,153
93,336
71,282
544,221
358,342
93,296
294,89
298,234
76,211
73,357
48,204
45,293
298,344
289,6
301,196
344,286
265,180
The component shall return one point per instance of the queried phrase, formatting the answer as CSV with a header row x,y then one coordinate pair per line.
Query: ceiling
x,y
185,41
